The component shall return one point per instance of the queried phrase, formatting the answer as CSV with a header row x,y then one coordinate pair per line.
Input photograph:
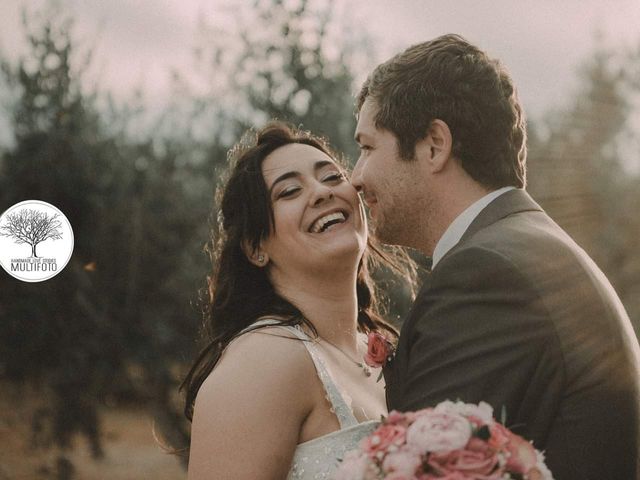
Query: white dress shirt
x,y
455,231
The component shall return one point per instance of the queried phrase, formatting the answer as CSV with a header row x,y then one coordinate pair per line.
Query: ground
x,y
131,451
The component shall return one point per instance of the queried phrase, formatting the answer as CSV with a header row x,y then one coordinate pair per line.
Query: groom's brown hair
x,y
449,79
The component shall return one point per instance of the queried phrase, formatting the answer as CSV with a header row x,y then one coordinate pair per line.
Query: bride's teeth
x,y
321,222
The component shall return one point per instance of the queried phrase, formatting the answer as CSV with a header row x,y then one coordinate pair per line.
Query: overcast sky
x,y
541,42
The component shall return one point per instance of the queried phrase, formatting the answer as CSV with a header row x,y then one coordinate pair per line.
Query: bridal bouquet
x,y
454,441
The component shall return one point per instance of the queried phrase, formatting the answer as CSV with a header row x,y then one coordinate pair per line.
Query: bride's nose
x,y
320,195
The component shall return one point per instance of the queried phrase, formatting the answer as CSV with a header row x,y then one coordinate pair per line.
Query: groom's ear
x,y
435,147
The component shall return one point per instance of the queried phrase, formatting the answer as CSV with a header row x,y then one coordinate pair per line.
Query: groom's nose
x,y
356,174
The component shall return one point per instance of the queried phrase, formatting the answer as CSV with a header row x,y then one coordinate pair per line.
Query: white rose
x,y
483,410
439,432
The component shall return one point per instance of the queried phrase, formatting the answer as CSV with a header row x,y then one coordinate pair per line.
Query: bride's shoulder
x,y
270,359
268,343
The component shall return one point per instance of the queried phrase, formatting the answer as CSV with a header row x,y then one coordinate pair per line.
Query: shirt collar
x,y
455,231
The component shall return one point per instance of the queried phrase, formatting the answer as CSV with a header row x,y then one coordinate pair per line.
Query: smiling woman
x,y
318,222
281,390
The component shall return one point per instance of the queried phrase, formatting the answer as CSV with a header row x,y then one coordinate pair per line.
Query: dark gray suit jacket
x,y
518,315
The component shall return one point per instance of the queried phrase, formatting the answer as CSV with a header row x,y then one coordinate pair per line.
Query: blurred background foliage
x,y
118,326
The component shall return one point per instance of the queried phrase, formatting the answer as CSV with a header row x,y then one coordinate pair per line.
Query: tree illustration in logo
x,y
31,227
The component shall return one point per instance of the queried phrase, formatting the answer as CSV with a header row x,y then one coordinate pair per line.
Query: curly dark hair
x,y
452,80
238,292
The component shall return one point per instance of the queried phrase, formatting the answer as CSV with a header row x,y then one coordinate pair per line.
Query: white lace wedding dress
x,y
318,458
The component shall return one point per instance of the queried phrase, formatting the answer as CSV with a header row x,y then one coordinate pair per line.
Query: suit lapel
x,y
513,201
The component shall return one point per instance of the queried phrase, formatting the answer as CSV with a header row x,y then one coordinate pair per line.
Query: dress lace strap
x,y
339,399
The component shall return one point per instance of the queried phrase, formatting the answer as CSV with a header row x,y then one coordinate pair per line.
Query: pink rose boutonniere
x,y
380,351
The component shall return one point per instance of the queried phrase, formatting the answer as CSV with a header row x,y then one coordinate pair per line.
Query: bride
x,y
282,391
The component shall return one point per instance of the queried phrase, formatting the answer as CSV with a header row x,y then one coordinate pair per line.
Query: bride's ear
x,y
255,255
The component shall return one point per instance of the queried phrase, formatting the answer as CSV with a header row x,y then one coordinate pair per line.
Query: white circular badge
x,y
36,241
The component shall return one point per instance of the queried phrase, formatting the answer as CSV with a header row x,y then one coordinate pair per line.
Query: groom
x,y
514,312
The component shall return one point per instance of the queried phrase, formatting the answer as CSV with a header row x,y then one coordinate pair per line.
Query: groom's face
x,y
389,184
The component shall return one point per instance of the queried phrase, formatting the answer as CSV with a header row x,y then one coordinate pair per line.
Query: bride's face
x,y
317,213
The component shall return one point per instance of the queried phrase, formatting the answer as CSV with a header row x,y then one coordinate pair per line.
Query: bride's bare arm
x,y
249,411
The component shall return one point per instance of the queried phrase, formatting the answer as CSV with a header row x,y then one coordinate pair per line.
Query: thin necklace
x,y
365,368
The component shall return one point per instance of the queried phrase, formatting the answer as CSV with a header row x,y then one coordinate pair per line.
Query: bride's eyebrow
x,y
295,174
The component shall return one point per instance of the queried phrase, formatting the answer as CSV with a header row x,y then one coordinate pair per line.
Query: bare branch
x,y
32,227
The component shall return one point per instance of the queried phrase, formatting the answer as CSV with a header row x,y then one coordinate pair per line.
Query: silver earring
x,y
261,258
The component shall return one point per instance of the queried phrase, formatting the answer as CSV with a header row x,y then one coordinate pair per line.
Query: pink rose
x,y
499,436
439,432
521,456
379,350
383,437
404,461
468,464
395,418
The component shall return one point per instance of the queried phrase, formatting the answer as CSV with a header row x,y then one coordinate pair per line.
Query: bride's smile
x,y
317,219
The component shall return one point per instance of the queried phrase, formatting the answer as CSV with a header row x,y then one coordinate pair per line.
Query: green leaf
x,y
483,433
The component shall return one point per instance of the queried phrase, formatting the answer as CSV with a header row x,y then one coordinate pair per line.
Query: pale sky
x,y
541,42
